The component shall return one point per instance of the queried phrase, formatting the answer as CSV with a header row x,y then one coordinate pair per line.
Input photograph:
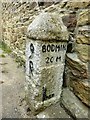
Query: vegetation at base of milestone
x,y
4,47
20,61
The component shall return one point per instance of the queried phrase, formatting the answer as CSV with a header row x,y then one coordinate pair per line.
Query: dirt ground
x,y
12,80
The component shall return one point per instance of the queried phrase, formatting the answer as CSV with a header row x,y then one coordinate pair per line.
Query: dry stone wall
x,y
77,63
16,17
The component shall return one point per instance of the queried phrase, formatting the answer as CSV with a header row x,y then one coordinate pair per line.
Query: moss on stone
x,y
5,48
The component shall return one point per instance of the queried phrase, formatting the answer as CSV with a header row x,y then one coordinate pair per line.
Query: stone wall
x,y
16,16
77,64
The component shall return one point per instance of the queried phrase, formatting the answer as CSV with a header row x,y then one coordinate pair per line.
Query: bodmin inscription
x,y
53,48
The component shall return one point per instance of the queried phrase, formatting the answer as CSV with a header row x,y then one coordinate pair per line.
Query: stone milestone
x,y
45,53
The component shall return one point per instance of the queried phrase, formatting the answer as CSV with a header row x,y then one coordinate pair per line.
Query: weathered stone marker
x,y
45,53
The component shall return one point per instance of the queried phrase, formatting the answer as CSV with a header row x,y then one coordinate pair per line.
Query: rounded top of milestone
x,y
48,26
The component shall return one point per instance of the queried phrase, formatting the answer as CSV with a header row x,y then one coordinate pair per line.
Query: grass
x,y
7,50
4,47
2,55
20,61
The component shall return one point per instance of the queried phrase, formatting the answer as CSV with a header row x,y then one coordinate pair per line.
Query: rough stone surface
x,y
77,67
54,111
48,26
77,78
77,63
44,82
75,4
70,21
81,89
83,52
83,17
83,35
16,16
74,105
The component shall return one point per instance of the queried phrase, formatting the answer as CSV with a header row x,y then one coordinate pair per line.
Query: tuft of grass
x,y
4,47
20,61
2,55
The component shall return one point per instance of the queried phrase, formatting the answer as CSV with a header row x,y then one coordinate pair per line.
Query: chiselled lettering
x,y
53,59
57,48
58,58
44,48
31,66
32,48
45,96
49,60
